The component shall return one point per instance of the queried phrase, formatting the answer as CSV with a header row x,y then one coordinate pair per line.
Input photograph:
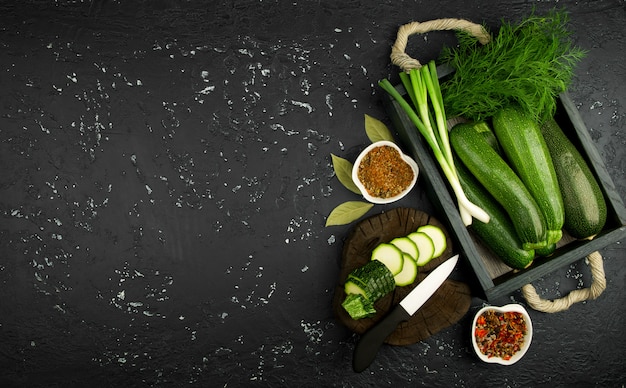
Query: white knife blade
x,y
423,291
367,347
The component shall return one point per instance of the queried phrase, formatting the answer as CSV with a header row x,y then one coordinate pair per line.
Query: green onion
x,y
422,86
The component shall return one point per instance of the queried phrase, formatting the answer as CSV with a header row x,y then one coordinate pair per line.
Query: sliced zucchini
x,y
437,236
389,255
409,272
425,247
406,245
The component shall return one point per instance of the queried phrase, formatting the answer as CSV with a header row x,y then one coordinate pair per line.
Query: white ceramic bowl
x,y
359,184
527,336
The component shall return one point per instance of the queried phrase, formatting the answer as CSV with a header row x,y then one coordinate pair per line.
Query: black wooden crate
x,y
495,278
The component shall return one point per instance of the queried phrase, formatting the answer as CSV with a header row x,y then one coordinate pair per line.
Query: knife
x,y
367,347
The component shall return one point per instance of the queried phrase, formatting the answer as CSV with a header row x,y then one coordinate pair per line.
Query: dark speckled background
x,y
166,177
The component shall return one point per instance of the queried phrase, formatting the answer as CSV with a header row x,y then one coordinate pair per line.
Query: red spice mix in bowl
x,y
501,334
383,173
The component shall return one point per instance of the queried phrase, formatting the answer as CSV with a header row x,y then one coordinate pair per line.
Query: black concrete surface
x,y
166,177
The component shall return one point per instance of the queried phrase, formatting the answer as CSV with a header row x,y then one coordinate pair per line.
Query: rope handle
x,y
552,306
406,63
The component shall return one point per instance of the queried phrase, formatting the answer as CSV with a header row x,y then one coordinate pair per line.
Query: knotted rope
x,y
552,306
406,63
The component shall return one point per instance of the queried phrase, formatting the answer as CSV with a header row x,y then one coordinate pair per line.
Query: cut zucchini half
x,y
358,306
437,236
409,272
373,281
425,247
389,255
406,245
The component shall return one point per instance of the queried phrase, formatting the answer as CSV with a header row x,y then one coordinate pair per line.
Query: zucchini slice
x,y
425,247
389,255
406,245
437,236
409,272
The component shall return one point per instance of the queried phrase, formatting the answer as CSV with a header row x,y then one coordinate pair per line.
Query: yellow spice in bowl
x,y
384,173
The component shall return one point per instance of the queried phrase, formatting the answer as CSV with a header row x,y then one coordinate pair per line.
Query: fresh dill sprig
x,y
528,63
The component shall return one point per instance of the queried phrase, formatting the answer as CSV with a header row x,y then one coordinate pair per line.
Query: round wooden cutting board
x,y
444,308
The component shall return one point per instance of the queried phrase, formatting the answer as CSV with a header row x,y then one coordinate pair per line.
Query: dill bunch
x,y
528,63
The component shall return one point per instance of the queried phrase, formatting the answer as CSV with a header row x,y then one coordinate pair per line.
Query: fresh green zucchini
x,y
499,233
521,140
585,206
485,131
502,183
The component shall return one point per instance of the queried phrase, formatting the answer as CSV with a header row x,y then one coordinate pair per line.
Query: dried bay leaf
x,y
343,170
347,212
350,211
376,130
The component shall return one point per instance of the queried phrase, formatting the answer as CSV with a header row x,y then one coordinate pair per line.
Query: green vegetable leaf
x,y
343,170
348,212
376,130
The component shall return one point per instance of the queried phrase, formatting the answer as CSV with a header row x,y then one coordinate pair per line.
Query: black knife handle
x,y
367,347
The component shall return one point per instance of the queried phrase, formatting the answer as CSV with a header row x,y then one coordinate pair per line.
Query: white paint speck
x,y
305,105
207,90
43,129
597,104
